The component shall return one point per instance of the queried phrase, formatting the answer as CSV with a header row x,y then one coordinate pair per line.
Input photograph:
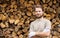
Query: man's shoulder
x,y
33,22
46,20
43,20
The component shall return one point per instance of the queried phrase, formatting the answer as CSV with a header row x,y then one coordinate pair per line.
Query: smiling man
x,y
40,28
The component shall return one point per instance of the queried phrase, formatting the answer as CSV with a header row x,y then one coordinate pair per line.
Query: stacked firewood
x,y
16,16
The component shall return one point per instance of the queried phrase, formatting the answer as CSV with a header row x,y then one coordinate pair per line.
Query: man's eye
x,y
37,11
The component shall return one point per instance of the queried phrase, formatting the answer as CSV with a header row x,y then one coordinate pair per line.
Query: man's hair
x,y
38,6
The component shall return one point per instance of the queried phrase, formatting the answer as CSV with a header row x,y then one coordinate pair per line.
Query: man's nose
x,y
38,12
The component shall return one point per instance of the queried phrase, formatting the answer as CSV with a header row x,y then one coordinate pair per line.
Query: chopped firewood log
x,y
21,36
16,21
11,20
2,25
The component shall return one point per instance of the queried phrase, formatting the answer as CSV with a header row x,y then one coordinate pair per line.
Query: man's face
x,y
38,12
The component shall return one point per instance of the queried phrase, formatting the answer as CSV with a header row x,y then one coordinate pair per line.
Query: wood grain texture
x,y
16,16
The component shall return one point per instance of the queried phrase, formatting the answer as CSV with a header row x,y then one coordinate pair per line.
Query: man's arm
x,y
31,31
43,34
31,28
46,31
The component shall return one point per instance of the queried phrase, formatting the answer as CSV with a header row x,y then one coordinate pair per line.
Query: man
x,y
40,28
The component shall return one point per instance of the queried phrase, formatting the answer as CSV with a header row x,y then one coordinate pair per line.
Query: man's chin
x,y
38,16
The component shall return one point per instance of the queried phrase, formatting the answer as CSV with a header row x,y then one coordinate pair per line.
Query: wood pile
x,y
16,16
